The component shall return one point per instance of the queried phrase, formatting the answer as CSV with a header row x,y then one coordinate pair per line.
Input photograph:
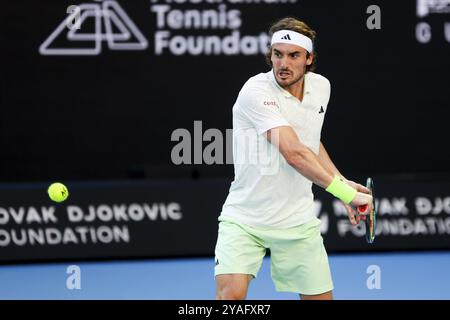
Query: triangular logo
x,y
112,25
321,109
286,37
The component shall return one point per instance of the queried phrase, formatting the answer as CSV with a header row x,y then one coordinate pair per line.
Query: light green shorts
x,y
299,262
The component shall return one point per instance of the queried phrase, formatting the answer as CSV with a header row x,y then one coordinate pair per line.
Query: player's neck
x,y
296,89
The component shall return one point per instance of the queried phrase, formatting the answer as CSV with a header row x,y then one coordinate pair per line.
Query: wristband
x,y
341,190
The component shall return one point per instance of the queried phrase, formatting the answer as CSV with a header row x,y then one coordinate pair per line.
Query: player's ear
x,y
309,58
269,56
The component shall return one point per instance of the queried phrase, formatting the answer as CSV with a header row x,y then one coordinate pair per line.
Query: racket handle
x,y
363,208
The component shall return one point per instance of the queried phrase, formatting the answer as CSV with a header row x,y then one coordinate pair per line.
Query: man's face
x,y
289,63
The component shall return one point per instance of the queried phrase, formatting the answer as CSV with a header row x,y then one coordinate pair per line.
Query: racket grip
x,y
363,208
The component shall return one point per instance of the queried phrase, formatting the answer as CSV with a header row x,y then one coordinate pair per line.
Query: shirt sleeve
x,y
261,109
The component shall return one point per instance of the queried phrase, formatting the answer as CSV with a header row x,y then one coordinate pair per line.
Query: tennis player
x,y
277,122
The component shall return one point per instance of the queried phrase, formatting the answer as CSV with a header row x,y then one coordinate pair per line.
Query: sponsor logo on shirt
x,y
270,103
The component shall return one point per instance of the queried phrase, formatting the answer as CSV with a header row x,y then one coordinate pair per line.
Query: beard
x,y
290,83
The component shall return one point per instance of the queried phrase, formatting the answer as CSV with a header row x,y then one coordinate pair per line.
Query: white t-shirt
x,y
267,191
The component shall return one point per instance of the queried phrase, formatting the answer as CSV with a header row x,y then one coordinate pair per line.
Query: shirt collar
x,y
306,84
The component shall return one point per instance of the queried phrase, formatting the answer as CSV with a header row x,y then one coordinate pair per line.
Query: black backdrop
x,y
110,115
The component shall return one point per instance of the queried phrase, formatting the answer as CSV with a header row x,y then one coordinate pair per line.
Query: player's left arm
x,y
326,162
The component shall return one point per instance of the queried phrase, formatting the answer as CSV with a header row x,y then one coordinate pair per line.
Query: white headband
x,y
292,37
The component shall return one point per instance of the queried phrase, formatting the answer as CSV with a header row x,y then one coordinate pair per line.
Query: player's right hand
x,y
362,199
357,186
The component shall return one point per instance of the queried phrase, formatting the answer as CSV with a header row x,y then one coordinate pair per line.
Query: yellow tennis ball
x,y
58,192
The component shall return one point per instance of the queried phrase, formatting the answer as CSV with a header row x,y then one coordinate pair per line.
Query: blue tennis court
x,y
405,275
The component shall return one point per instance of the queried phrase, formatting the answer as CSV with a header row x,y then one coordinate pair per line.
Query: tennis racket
x,y
370,219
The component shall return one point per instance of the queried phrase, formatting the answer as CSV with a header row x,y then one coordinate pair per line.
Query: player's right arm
x,y
299,156
260,108
305,161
